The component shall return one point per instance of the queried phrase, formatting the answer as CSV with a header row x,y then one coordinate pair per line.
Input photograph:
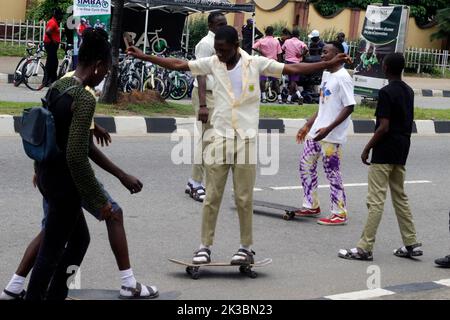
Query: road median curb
x,y
142,126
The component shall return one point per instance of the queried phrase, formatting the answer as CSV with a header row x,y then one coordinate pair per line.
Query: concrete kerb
x,y
7,125
142,126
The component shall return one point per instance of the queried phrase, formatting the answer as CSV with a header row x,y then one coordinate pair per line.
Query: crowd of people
x,y
226,100
288,48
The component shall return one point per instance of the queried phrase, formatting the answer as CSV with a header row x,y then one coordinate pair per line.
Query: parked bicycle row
x,y
135,74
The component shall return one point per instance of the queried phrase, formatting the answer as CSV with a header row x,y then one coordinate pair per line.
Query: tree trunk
x,y
109,94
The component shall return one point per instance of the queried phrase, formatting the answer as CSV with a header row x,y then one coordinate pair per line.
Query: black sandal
x,y
15,296
409,251
198,194
202,253
355,254
243,257
136,293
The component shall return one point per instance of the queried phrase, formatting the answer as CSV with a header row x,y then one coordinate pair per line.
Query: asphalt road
x,y
22,94
162,222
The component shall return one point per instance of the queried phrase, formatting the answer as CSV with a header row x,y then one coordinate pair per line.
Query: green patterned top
x,y
78,141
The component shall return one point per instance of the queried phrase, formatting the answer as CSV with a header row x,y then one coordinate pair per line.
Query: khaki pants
x,y
380,176
198,171
244,174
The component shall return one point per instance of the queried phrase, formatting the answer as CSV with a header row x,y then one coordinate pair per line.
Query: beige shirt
x,y
232,115
205,49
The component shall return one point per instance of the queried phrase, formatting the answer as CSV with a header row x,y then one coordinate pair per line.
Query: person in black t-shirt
x,y
390,147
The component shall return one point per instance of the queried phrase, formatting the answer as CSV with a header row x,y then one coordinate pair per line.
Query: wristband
x,y
203,106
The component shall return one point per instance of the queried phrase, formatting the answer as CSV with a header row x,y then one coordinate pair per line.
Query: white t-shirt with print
x,y
336,93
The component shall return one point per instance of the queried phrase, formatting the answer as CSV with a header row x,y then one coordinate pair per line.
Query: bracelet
x,y
203,106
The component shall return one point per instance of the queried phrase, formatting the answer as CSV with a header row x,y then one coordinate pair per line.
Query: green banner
x,y
383,32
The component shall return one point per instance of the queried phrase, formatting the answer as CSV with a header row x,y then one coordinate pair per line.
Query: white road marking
x,y
345,185
444,282
363,294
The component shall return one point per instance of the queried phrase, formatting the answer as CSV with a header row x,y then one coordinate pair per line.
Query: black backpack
x,y
38,129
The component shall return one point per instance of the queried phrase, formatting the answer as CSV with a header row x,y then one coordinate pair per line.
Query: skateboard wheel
x,y
243,269
288,216
193,272
253,274
195,276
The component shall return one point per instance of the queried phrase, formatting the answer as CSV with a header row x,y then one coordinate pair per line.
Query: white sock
x,y
16,284
195,184
128,280
248,248
289,98
202,246
279,97
127,277
263,95
299,94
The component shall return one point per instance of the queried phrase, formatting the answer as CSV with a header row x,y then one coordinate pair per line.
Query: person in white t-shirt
x,y
325,132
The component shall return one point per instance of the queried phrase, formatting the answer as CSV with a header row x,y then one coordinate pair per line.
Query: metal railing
x,y
20,32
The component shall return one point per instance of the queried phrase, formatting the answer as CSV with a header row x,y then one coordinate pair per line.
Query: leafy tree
x,y
43,10
198,28
424,11
443,19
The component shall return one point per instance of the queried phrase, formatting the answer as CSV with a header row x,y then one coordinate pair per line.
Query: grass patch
x,y
185,110
155,109
19,50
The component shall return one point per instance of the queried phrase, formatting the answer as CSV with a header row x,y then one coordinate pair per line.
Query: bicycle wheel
x,y
18,76
63,68
133,83
180,90
157,85
159,46
271,95
34,74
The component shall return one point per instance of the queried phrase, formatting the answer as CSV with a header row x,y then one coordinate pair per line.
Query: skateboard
x,y
194,269
289,212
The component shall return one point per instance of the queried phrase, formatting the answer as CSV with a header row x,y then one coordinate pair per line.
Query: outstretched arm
x,y
307,68
168,63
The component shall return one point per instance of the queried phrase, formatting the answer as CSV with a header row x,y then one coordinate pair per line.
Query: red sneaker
x,y
333,220
307,212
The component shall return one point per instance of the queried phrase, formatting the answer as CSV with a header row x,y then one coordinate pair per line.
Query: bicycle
x,y
33,70
18,76
158,45
153,82
129,78
67,63
271,94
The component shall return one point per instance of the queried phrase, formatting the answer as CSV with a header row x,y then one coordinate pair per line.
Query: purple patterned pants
x,y
331,158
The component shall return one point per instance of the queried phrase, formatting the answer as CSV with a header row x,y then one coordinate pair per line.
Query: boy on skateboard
x,y
390,147
235,122
325,133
